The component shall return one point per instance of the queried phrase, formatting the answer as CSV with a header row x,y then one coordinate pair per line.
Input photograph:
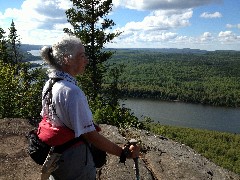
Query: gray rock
x,y
162,159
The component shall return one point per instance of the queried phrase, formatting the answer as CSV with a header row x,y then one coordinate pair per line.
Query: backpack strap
x,y
49,89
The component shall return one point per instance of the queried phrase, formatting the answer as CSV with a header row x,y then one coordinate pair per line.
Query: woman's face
x,y
79,62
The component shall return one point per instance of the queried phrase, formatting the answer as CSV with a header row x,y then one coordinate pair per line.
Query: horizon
x,y
205,25
141,48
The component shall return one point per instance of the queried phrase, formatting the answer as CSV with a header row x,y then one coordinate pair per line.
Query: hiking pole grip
x,y
134,143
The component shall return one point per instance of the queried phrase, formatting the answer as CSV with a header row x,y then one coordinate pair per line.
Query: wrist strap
x,y
125,153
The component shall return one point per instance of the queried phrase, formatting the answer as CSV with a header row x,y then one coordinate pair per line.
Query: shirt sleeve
x,y
79,113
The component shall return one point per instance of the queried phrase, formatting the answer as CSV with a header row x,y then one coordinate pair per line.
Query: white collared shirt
x,y
69,105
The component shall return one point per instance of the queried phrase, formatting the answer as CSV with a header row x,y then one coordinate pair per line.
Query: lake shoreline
x,y
182,114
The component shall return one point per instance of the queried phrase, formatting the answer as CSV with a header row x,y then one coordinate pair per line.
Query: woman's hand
x,y
134,149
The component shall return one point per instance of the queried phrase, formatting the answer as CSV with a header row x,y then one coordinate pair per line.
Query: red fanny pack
x,y
54,136
57,135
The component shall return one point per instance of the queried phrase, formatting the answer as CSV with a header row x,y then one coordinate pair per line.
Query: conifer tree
x,y
3,47
90,22
14,45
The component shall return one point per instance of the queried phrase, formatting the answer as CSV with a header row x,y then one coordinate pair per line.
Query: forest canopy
x,y
193,76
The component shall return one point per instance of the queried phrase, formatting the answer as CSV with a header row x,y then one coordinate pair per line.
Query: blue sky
x,y
196,24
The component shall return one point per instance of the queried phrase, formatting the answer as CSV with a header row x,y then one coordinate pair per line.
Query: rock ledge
x,y
161,159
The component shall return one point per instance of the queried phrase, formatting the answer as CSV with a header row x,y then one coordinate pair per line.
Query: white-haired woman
x,y
67,114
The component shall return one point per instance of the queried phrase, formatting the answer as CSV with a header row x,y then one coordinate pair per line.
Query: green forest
x,y
195,76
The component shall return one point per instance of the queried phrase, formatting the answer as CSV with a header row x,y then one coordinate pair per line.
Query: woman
x,y
66,112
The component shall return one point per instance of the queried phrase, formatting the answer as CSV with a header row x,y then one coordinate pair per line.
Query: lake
x,y
186,114
35,52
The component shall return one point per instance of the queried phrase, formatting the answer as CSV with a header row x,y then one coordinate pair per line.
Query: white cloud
x,y
150,40
206,41
155,28
181,39
163,4
233,26
160,21
170,18
11,13
211,15
230,26
206,37
228,37
37,20
157,37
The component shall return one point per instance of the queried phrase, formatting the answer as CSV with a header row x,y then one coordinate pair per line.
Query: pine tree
x,y
3,47
89,21
13,45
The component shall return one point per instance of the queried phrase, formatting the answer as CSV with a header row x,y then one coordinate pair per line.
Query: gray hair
x,y
67,47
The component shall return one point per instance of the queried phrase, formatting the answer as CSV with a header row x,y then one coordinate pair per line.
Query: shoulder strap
x,y
49,89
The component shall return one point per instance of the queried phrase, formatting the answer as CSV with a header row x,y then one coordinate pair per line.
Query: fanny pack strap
x,y
61,148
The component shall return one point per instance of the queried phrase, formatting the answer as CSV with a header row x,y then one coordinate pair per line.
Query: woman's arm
x,y
103,143
106,145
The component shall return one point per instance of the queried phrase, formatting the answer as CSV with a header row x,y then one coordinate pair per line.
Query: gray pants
x,y
76,163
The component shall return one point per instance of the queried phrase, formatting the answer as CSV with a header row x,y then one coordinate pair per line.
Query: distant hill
x,y
27,57
164,50
29,47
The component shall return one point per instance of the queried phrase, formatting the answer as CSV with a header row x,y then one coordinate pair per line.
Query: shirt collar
x,y
63,75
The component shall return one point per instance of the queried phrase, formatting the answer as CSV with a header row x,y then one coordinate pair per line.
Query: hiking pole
x,y
134,143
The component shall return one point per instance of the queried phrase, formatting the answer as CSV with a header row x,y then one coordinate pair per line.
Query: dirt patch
x,y
15,162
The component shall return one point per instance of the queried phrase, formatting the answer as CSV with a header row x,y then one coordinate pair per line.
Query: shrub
x,y
118,116
21,89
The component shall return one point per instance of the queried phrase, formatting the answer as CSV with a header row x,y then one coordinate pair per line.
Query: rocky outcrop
x,y
161,158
